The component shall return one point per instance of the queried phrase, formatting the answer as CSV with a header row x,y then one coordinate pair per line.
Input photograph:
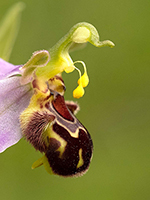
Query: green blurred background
x,y
115,108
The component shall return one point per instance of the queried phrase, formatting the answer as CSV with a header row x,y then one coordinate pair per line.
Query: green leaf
x,y
9,28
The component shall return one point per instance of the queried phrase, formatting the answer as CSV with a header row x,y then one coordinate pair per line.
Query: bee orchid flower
x,y
32,104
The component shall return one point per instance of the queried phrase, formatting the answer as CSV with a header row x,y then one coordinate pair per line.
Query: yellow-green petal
x,y
61,61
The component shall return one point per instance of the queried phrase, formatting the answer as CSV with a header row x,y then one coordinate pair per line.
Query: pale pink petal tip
x,y
8,69
14,98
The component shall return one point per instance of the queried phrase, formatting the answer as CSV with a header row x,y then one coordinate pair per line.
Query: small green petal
x,y
38,59
9,28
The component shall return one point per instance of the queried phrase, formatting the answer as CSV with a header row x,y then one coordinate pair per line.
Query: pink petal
x,y
8,69
14,98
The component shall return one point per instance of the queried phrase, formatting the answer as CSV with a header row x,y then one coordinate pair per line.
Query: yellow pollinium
x,y
84,80
78,92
